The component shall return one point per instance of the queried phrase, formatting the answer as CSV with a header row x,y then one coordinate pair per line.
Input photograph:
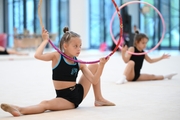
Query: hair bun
x,y
137,32
65,29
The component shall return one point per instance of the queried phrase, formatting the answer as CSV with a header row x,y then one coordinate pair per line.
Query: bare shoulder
x,y
56,54
53,54
56,57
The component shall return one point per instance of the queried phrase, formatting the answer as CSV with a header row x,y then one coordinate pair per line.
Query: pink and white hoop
x,y
162,20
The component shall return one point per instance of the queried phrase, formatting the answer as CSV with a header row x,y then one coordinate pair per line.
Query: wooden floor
x,y
26,81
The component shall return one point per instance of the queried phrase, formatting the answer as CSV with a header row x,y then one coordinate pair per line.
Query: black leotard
x,y
138,60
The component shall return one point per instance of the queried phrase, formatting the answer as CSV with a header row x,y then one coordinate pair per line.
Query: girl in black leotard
x,y
132,71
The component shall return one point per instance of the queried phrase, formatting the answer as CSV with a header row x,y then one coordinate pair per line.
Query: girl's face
x,y
141,45
73,47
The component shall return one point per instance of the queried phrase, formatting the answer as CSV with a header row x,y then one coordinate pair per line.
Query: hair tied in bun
x,y
137,32
66,29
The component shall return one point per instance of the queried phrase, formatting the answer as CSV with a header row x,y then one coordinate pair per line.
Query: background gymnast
x,y
69,93
4,51
132,71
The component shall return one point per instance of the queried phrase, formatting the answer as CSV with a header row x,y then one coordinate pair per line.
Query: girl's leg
x,y
128,74
99,100
129,71
146,77
97,90
14,52
54,105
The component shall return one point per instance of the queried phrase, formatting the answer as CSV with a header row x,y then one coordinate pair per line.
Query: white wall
x,y
79,20
1,14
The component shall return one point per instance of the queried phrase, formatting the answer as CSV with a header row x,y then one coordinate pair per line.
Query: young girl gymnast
x,y
69,93
132,71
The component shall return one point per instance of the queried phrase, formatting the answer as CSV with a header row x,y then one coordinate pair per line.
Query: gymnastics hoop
x,y
162,20
83,62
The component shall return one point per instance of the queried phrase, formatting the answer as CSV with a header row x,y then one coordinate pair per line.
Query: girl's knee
x,y
44,104
132,63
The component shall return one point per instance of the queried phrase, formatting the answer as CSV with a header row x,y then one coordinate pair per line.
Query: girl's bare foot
x,y
103,103
11,109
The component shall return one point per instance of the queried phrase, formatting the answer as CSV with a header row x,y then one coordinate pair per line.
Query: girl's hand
x,y
165,56
45,34
104,60
124,49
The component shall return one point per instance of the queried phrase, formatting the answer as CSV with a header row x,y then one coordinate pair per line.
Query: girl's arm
x,y
94,79
39,52
150,60
125,55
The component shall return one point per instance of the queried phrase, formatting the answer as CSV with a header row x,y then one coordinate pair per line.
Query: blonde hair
x,y
67,37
